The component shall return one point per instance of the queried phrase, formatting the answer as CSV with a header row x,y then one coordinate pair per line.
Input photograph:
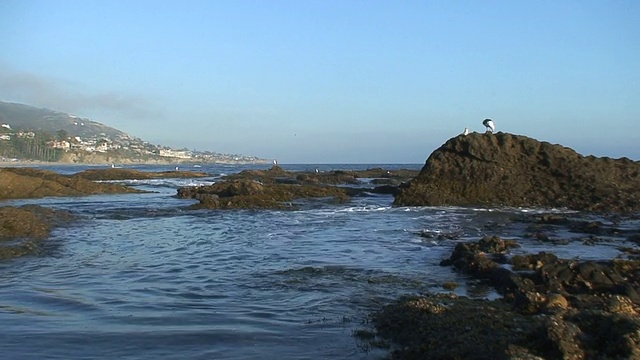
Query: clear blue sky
x,y
332,81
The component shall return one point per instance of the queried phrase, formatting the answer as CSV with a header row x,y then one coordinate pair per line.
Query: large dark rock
x,y
511,170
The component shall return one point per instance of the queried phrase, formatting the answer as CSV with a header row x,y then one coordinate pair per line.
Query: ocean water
x,y
139,276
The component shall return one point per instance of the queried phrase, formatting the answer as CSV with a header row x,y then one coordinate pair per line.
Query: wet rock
x,y
22,228
572,308
556,302
565,336
277,188
390,182
451,327
440,235
249,194
509,170
385,189
19,183
336,177
130,174
532,261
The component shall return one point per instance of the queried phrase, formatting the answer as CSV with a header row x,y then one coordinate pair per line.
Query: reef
x,y
277,188
551,308
131,174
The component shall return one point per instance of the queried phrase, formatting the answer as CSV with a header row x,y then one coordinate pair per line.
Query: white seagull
x,y
466,132
489,124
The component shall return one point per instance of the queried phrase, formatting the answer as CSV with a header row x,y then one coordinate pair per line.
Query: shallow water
x,y
141,277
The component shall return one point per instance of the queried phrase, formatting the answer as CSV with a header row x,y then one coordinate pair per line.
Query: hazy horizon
x,y
332,82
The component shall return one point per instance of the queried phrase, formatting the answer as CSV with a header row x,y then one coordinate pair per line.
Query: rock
x,y
511,170
127,174
556,302
337,177
385,189
566,337
20,183
532,261
249,194
29,225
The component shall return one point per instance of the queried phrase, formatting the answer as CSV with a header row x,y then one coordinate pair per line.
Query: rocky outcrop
x,y
23,183
277,188
126,174
251,194
277,174
552,309
22,229
511,170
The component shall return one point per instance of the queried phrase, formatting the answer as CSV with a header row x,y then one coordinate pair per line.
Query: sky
x,y
327,81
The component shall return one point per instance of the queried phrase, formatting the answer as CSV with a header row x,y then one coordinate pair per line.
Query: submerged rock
x,y
511,170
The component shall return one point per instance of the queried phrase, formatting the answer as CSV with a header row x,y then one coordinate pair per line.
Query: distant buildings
x,y
125,145
180,154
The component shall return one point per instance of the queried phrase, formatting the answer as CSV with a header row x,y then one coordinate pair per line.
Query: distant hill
x,y
31,133
25,117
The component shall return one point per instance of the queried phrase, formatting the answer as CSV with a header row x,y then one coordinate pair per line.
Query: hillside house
x,y
63,144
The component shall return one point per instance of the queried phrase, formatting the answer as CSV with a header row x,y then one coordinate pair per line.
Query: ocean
x,y
140,276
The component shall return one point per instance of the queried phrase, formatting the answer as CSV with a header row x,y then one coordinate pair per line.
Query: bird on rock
x,y
488,123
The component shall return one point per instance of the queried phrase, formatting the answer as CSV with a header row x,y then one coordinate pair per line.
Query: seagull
x,y
489,124
466,132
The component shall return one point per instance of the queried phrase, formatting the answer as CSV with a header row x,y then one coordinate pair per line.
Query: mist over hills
x,y
25,117
33,133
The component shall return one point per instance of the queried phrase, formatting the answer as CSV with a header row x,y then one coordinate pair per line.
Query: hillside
x,y
31,133
24,117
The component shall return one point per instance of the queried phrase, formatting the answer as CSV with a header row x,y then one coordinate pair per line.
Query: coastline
x,y
550,317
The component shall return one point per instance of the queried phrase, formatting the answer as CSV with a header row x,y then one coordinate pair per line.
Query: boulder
x,y
512,170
